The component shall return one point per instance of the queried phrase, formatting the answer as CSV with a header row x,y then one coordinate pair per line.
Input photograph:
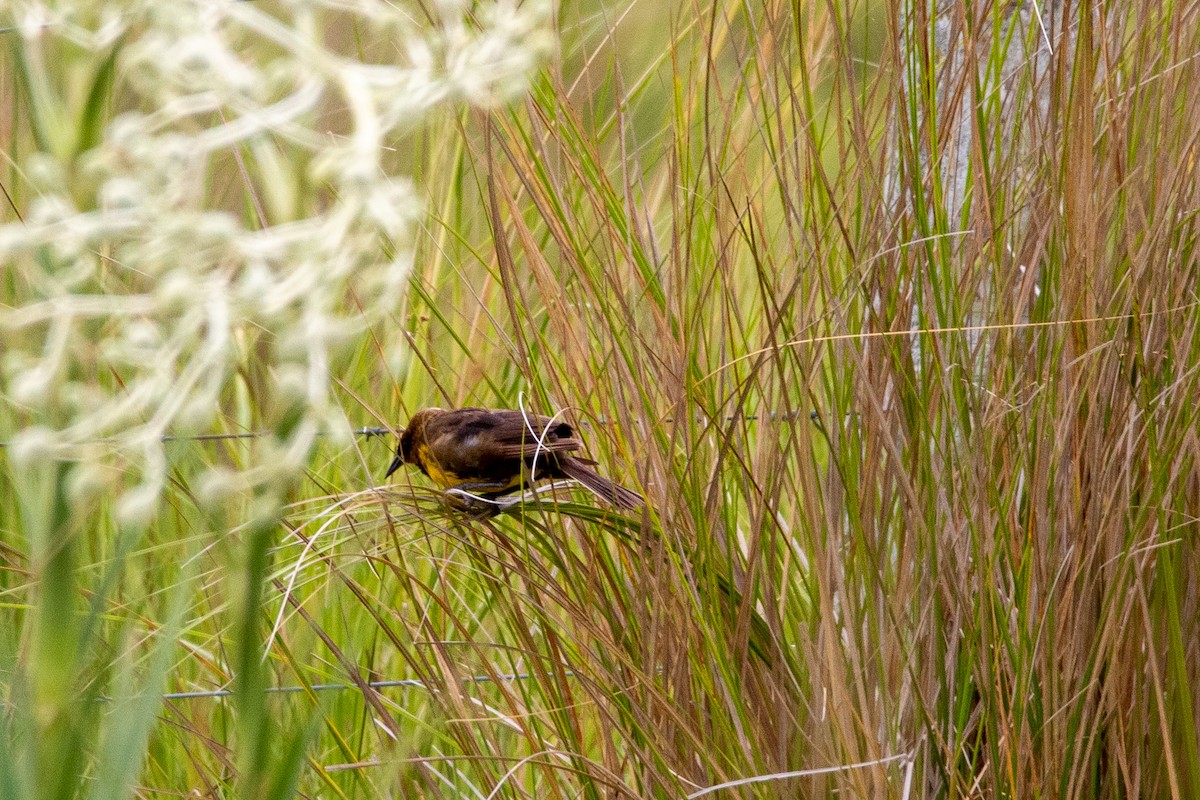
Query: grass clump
x,y
889,311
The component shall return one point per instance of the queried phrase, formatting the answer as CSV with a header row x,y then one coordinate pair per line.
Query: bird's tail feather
x,y
600,486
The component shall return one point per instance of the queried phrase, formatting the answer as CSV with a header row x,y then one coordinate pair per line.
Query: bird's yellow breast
x,y
429,465
446,478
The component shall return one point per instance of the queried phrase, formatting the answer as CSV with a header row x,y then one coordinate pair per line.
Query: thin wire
x,y
211,437
216,437
774,416
325,687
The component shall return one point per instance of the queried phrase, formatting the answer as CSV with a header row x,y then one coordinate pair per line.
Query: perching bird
x,y
492,453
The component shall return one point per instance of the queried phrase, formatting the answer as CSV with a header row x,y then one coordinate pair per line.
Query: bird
x,y
489,453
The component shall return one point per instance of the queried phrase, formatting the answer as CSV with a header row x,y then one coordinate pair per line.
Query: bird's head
x,y
408,436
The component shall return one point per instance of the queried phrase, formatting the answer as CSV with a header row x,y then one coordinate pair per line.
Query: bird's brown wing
x,y
521,435
470,441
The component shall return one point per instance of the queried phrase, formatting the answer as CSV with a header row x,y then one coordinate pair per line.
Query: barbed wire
x,y
411,683
370,432
216,437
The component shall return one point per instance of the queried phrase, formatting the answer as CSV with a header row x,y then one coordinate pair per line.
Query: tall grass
x,y
891,315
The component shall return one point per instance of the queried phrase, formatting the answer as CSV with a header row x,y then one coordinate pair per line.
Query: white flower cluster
x,y
132,297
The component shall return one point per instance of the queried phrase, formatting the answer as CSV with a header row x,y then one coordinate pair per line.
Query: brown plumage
x,y
490,453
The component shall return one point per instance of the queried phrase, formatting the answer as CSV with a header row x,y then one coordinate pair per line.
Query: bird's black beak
x,y
397,463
